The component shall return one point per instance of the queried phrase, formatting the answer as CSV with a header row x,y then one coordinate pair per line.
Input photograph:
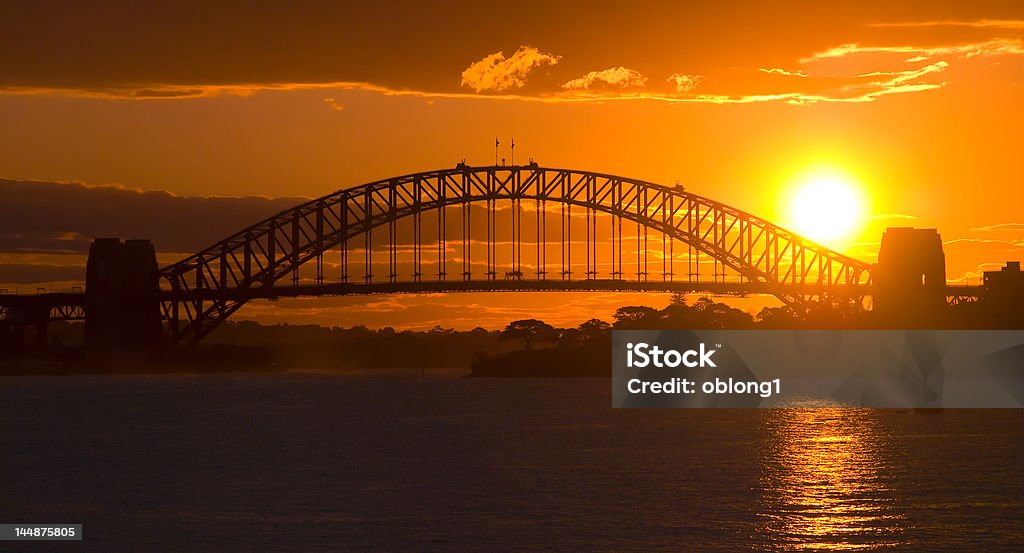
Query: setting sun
x,y
826,206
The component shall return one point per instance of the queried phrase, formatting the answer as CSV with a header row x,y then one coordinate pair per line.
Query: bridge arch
x,y
205,288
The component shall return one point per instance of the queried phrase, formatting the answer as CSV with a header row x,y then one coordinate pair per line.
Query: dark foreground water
x,y
331,463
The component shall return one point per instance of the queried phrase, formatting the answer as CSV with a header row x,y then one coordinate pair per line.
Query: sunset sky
x,y
918,106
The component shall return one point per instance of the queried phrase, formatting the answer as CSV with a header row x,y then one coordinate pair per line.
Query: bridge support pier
x,y
122,306
910,277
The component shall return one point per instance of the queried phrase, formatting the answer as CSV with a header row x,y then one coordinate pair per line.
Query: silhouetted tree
x,y
777,317
634,316
570,337
588,331
720,315
529,332
594,328
679,315
678,298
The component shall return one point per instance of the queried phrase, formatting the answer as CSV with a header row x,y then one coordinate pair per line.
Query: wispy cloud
x,y
981,242
614,77
497,73
886,216
846,93
976,23
994,47
780,71
859,88
1000,227
155,91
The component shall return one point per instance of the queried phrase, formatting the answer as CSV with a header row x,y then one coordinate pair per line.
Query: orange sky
x,y
920,104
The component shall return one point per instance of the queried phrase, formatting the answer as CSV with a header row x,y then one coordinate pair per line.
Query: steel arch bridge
x,y
458,220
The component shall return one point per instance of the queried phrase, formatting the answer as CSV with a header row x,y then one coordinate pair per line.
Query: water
x,y
350,463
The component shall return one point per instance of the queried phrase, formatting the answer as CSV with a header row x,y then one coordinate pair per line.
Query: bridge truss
x,y
458,228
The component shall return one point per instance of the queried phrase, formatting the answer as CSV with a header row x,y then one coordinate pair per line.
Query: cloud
x,y
900,77
885,216
866,87
614,77
891,82
37,273
560,97
1012,24
154,91
497,73
64,217
859,88
778,71
1000,227
975,243
994,47
685,83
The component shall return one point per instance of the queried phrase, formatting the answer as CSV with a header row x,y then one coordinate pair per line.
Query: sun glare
x,y
826,206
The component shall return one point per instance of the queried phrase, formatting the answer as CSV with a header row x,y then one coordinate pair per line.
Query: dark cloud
x,y
48,217
32,273
65,217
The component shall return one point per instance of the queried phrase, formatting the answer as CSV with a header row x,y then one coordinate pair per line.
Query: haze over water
x,y
296,462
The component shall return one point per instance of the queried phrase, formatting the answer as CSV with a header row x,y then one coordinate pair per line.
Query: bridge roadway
x,y
500,285
53,306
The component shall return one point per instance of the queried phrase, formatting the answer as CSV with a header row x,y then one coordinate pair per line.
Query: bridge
x,y
493,228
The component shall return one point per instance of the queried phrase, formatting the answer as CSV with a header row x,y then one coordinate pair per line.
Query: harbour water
x,y
303,462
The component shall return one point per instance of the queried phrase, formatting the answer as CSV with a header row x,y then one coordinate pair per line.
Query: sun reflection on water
x,y
825,482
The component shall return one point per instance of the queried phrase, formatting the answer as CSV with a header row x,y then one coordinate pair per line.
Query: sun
x,y
826,206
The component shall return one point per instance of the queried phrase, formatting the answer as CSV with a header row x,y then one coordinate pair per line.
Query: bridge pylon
x,y
122,304
910,277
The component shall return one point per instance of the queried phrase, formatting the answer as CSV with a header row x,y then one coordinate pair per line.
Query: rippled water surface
x,y
343,463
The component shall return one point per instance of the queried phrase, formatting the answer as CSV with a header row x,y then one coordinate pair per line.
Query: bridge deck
x,y
508,285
